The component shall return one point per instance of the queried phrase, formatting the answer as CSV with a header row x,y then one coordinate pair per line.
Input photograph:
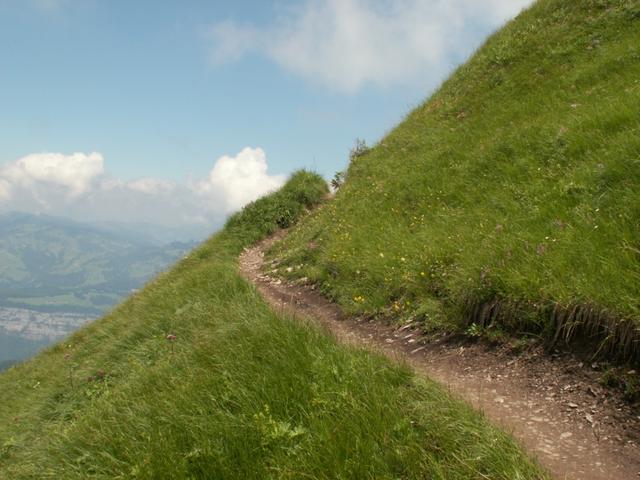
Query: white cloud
x,y
71,173
502,10
5,190
151,186
232,41
77,185
346,44
238,180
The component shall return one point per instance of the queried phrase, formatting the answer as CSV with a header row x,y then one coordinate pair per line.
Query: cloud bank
x,y
71,174
347,44
239,180
78,185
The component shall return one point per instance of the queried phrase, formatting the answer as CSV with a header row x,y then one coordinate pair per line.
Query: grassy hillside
x,y
195,377
511,198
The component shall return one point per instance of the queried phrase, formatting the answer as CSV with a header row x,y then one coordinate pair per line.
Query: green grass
x,y
241,393
511,198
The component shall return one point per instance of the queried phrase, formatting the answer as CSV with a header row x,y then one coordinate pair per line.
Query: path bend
x,y
553,405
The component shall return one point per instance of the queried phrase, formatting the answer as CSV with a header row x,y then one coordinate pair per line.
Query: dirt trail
x,y
552,404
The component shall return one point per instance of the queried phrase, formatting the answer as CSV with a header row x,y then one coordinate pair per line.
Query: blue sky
x,y
162,90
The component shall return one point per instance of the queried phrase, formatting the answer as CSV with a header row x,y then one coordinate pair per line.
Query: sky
x,y
180,112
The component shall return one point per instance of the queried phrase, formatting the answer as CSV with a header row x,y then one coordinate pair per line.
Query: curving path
x,y
552,404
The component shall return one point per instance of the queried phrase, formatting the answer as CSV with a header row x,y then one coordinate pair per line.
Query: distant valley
x,y
23,332
57,274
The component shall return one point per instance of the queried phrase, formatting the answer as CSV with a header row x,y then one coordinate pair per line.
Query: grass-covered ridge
x,y
511,198
195,377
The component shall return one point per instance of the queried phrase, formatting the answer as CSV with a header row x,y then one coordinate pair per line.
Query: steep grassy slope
x,y
195,377
511,198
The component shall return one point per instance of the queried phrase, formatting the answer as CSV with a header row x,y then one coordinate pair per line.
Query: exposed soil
x,y
552,404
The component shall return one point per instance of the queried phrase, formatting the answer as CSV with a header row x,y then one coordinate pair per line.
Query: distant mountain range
x,y
57,274
157,234
52,264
